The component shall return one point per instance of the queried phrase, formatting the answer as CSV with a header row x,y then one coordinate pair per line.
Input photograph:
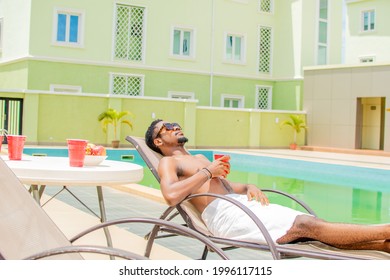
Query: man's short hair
x,y
149,136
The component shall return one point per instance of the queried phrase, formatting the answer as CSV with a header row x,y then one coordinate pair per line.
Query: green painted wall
x,y
49,119
39,75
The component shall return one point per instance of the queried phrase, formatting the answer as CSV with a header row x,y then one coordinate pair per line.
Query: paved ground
x,y
121,204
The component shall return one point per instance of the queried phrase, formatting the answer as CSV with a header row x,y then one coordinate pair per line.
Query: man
x,y
182,174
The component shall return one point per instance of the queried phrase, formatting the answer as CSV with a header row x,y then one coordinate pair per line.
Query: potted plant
x,y
114,118
297,124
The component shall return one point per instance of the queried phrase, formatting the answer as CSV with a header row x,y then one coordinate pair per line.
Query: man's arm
x,y
173,190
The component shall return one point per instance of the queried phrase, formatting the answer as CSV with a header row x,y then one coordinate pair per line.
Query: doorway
x,y
11,113
370,123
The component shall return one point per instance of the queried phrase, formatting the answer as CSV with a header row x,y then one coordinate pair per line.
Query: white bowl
x,y
93,160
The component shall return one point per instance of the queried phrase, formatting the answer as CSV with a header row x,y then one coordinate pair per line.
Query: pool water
x,y
335,192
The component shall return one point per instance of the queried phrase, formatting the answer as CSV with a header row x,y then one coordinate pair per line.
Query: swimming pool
x,y
337,193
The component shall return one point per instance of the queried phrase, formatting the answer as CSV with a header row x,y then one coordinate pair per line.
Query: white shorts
x,y
225,220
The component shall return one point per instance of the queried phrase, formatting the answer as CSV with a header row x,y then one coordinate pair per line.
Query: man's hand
x,y
220,167
255,193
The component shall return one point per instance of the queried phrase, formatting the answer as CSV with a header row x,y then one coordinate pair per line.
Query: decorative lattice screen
x,y
129,32
127,85
265,39
264,98
265,6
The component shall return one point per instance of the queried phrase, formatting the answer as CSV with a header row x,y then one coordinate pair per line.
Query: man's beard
x,y
182,140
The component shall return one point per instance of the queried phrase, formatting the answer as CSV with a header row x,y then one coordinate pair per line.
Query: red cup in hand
x,y
218,156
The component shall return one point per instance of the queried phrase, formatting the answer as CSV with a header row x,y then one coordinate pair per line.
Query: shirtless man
x,y
183,174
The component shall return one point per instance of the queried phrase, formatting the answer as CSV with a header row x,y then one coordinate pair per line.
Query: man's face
x,y
166,131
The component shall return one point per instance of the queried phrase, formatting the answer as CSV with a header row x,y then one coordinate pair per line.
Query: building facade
x,y
346,103
242,54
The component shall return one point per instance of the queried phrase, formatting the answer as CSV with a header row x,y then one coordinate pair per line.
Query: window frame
x,y
192,31
114,36
181,95
272,7
127,75
80,27
239,98
1,34
270,49
269,97
363,12
66,88
242,59
367,59
319,43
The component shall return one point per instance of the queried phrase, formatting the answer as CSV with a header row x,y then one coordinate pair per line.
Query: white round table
x,y
39,172
36,170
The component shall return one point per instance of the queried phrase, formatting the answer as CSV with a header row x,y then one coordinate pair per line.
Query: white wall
x,y
330,98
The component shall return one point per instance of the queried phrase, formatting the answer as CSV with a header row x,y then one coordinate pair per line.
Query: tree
x,y
296,123
114,118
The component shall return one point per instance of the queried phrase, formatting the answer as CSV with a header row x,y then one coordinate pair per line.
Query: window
x,y
263,97
265,49
182,42
66,88
368,20
234,51
1,35
127,84
266,6
322,47
367,59
68,27
181,95
129,33
232,101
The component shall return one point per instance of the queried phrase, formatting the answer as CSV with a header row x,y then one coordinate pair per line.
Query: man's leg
x,y
345,236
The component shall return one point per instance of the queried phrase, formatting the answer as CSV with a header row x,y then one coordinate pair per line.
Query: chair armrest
x,y
179,229
87,249
300,202
256,220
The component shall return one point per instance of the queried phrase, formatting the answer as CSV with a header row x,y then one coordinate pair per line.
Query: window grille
x,y
129,33
264,98
266,6
265,49
130,85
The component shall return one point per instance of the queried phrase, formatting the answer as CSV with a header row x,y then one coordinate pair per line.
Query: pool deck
x,y
140,201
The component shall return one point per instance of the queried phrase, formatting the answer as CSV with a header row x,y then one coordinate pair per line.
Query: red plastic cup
x,y
76,150
217,156
15,146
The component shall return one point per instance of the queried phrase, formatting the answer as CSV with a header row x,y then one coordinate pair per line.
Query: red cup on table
x,y
15,146
76,149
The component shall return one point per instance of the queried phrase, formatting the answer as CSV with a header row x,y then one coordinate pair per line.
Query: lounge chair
x,y
192,218
27,232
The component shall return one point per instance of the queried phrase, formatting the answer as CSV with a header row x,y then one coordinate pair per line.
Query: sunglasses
x,y
169,127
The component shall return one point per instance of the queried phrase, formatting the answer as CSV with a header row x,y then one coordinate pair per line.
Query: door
x,y
11,112
370,115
